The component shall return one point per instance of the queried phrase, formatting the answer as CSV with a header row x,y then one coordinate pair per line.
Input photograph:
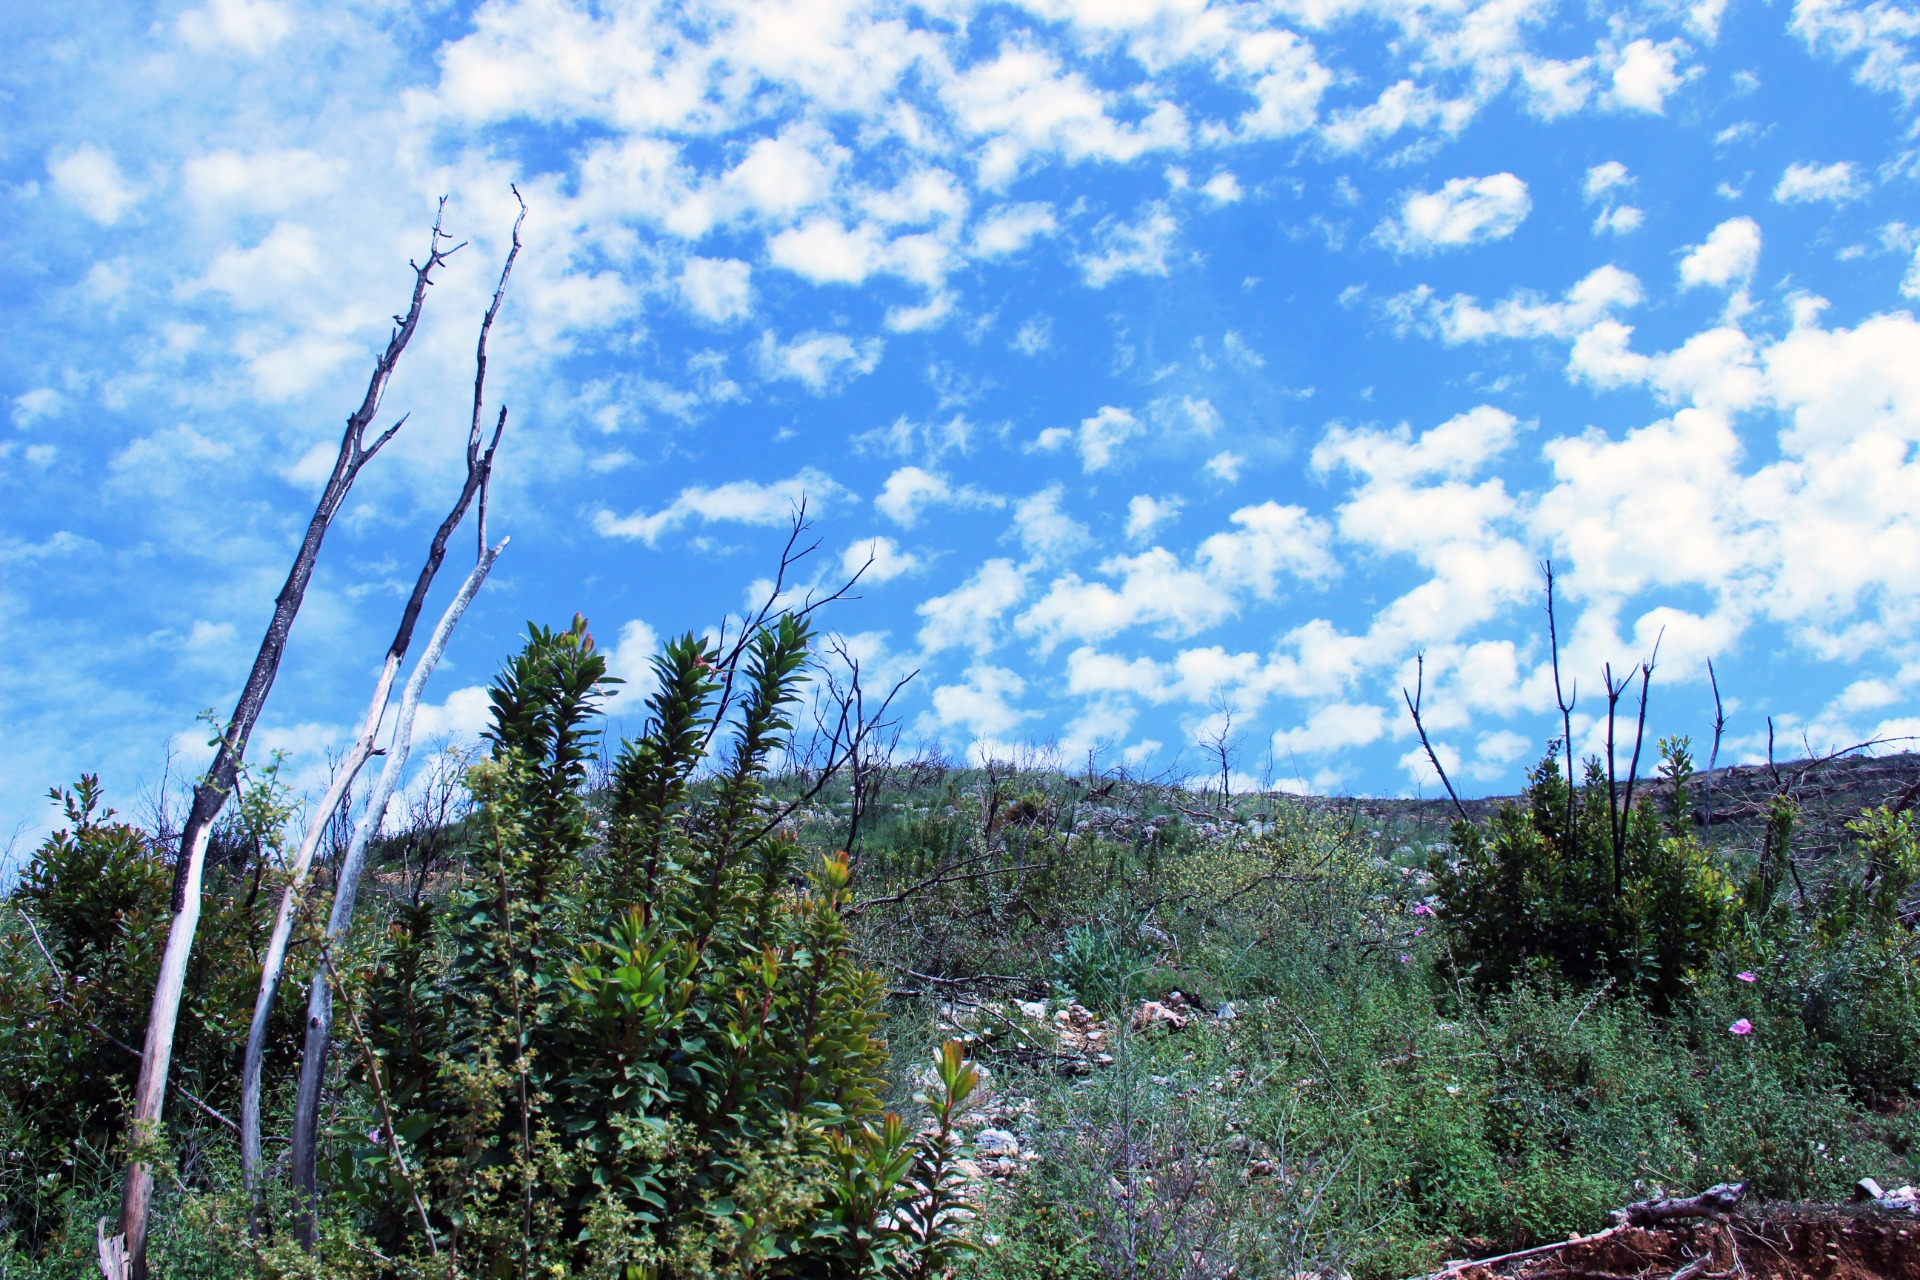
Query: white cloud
x,y
1337,726
90,180
826,251
1268,543
883,558
1138,248
1465,211
265,181
983,705
717,289
1834,183
1009,228
462,717
1225,466
738,501
1882,34
1024,101
1726,257
1035,336
1098,438
1403,105
251,26
1617,220
1525,314
910,490
1556,88
1605,178
1145,513
1222,188
1644,73
30,407
818,360
968,615
631,660
1043,526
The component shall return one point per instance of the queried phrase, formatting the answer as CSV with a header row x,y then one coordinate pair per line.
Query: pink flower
x,y
1418,932
1745,976
1742,1028
1422,909
1405,959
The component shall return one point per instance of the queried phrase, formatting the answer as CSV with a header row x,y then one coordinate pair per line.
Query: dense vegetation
x,y
683,1006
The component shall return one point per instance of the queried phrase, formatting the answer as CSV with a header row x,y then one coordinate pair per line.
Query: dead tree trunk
x,y
319,1023
211,795
479,472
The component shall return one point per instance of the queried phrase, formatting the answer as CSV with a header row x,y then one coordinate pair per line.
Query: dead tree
x,y
479,473
150,1089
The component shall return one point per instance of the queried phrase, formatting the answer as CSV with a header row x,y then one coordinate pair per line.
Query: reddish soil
x,y
1781,1242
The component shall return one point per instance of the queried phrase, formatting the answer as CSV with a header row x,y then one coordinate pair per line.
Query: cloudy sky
x,y
1170,357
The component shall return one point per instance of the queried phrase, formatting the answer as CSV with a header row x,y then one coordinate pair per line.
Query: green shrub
x,y
652,1054
78,959
1608,897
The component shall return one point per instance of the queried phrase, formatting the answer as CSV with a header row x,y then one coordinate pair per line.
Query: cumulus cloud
x,y
717,289
1603,179
968,616
1525,314
1337,726
90,180
1135,248
250,26
1098,438
1465,211
1010,228
739,501
1644,73
1267,546
909,491
1834,183
1043,526
983,703
818,361
878,559
1146,513
1726,257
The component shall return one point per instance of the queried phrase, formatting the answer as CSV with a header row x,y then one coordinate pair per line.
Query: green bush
x,y
78,960
1565,882
648,1054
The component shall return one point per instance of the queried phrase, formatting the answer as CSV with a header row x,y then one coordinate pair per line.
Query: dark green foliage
x,y
652,1056
1634,902
96,896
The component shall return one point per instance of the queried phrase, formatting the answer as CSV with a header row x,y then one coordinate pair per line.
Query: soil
x,y
1772,1242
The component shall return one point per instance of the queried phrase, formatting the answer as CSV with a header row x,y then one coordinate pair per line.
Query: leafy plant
x,y
1554,882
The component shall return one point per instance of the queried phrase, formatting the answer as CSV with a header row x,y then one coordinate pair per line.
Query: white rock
x,y
996,1143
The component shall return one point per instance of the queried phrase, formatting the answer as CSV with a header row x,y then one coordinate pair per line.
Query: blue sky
x,y
1172,356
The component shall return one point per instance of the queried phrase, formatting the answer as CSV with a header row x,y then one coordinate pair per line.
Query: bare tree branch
x,y
211,795
479,474
1413,706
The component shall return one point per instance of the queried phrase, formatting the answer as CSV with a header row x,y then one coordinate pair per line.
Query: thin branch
x,y
64,1000
380,1095
1719,726
1413,706
1565,702
1640,729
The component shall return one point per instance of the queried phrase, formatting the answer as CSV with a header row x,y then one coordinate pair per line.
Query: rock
x,y
1035,1009
1239,1143
1153,1013
1227,1012
1867,1189
1903,1200
996,1143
